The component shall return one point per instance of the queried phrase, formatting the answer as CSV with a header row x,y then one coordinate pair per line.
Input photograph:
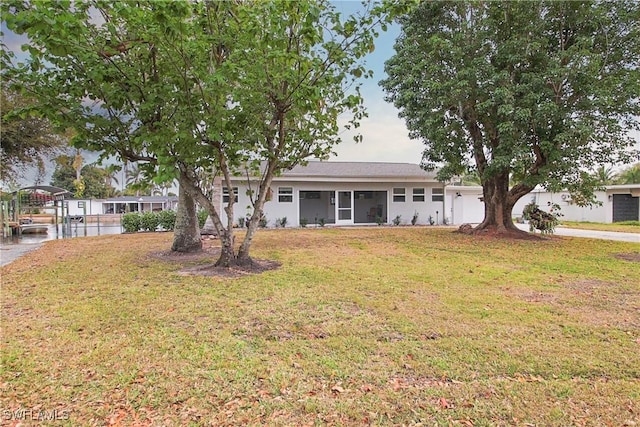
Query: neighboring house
x,y
121,204
365,193
617,203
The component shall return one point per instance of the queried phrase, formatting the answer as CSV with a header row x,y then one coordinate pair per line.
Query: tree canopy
x,y
199,88
539,93
28,140
93,179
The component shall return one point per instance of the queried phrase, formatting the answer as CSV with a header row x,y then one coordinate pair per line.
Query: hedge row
x,y
149,221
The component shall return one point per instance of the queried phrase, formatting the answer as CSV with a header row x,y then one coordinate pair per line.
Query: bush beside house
x,y
149,221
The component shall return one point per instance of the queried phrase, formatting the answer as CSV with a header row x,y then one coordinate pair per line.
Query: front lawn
x,y
372,326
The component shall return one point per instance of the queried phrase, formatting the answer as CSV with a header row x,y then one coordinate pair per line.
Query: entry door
x,y
344,207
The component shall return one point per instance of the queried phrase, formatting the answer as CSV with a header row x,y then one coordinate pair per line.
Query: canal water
x,y
16,246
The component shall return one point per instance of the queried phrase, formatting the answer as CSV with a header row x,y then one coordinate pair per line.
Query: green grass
x,y
623,227
380,326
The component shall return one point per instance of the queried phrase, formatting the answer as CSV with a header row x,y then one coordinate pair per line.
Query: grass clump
x,y
380,326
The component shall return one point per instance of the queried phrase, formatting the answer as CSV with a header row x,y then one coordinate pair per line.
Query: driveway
x,y
11,252
591,234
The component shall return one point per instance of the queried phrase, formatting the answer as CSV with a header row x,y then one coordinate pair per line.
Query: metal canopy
x,y
56,191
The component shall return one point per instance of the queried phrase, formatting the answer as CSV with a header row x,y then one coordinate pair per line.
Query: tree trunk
x,y
189,180
254,221
227,254
498,207
186,235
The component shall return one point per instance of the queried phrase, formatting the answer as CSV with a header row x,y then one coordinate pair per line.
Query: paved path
x,y
11,252
592,234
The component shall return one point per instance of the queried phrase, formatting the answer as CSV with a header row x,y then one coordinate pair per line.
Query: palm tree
x,y
630,175
605,175
110,176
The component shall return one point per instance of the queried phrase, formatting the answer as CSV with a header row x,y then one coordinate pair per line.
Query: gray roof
x,y
359,170
145,199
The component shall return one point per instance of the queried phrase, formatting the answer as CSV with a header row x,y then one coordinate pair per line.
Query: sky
x,y
385,136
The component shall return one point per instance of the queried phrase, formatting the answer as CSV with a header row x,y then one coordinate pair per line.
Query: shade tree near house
x,y
92,76
536,93
189,88
28,140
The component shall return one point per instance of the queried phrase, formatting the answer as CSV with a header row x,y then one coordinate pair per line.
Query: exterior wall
x,y
93,207
569,210
274,208
465,205
460,204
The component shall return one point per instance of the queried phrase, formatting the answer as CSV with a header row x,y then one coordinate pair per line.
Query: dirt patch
x,y
632,256
494,233
589,285
210,252
256,266
533,296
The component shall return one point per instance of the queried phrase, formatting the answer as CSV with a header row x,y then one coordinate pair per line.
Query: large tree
x,y
193,88
86,181
536,93
28,139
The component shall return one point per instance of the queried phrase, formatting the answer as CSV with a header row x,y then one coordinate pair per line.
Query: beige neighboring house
x,y
368,193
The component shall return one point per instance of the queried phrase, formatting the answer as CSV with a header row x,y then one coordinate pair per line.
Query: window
x,y
398,194
418,194
437,194
225,194
285,194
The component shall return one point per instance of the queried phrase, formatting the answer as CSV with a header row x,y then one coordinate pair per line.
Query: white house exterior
x,y
347,193
359,193
120,204
617,203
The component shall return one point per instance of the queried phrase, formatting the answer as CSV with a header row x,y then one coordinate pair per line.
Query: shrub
x,y
304,222
540,220
396,220
202,217
131,222
322,222
414,219
379,220
167,219
281,222
241,221
263,222
149,221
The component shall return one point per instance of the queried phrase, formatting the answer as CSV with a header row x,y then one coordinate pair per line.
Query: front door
x,y
344,208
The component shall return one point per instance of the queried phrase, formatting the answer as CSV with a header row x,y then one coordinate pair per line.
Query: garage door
x,y
625,207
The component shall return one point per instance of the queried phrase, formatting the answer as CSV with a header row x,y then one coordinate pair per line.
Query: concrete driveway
x,y
591,234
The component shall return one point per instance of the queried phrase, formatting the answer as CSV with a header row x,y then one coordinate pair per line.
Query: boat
x,y
34,229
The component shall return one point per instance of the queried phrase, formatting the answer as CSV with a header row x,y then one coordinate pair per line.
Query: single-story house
x,y
345,193
120,205
366,193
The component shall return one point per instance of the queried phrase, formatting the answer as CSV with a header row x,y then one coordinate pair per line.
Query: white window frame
x,y
285,194
225,195
399,195
437,194
419,195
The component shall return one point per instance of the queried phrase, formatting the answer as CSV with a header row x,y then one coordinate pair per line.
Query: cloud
x,y
385,139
